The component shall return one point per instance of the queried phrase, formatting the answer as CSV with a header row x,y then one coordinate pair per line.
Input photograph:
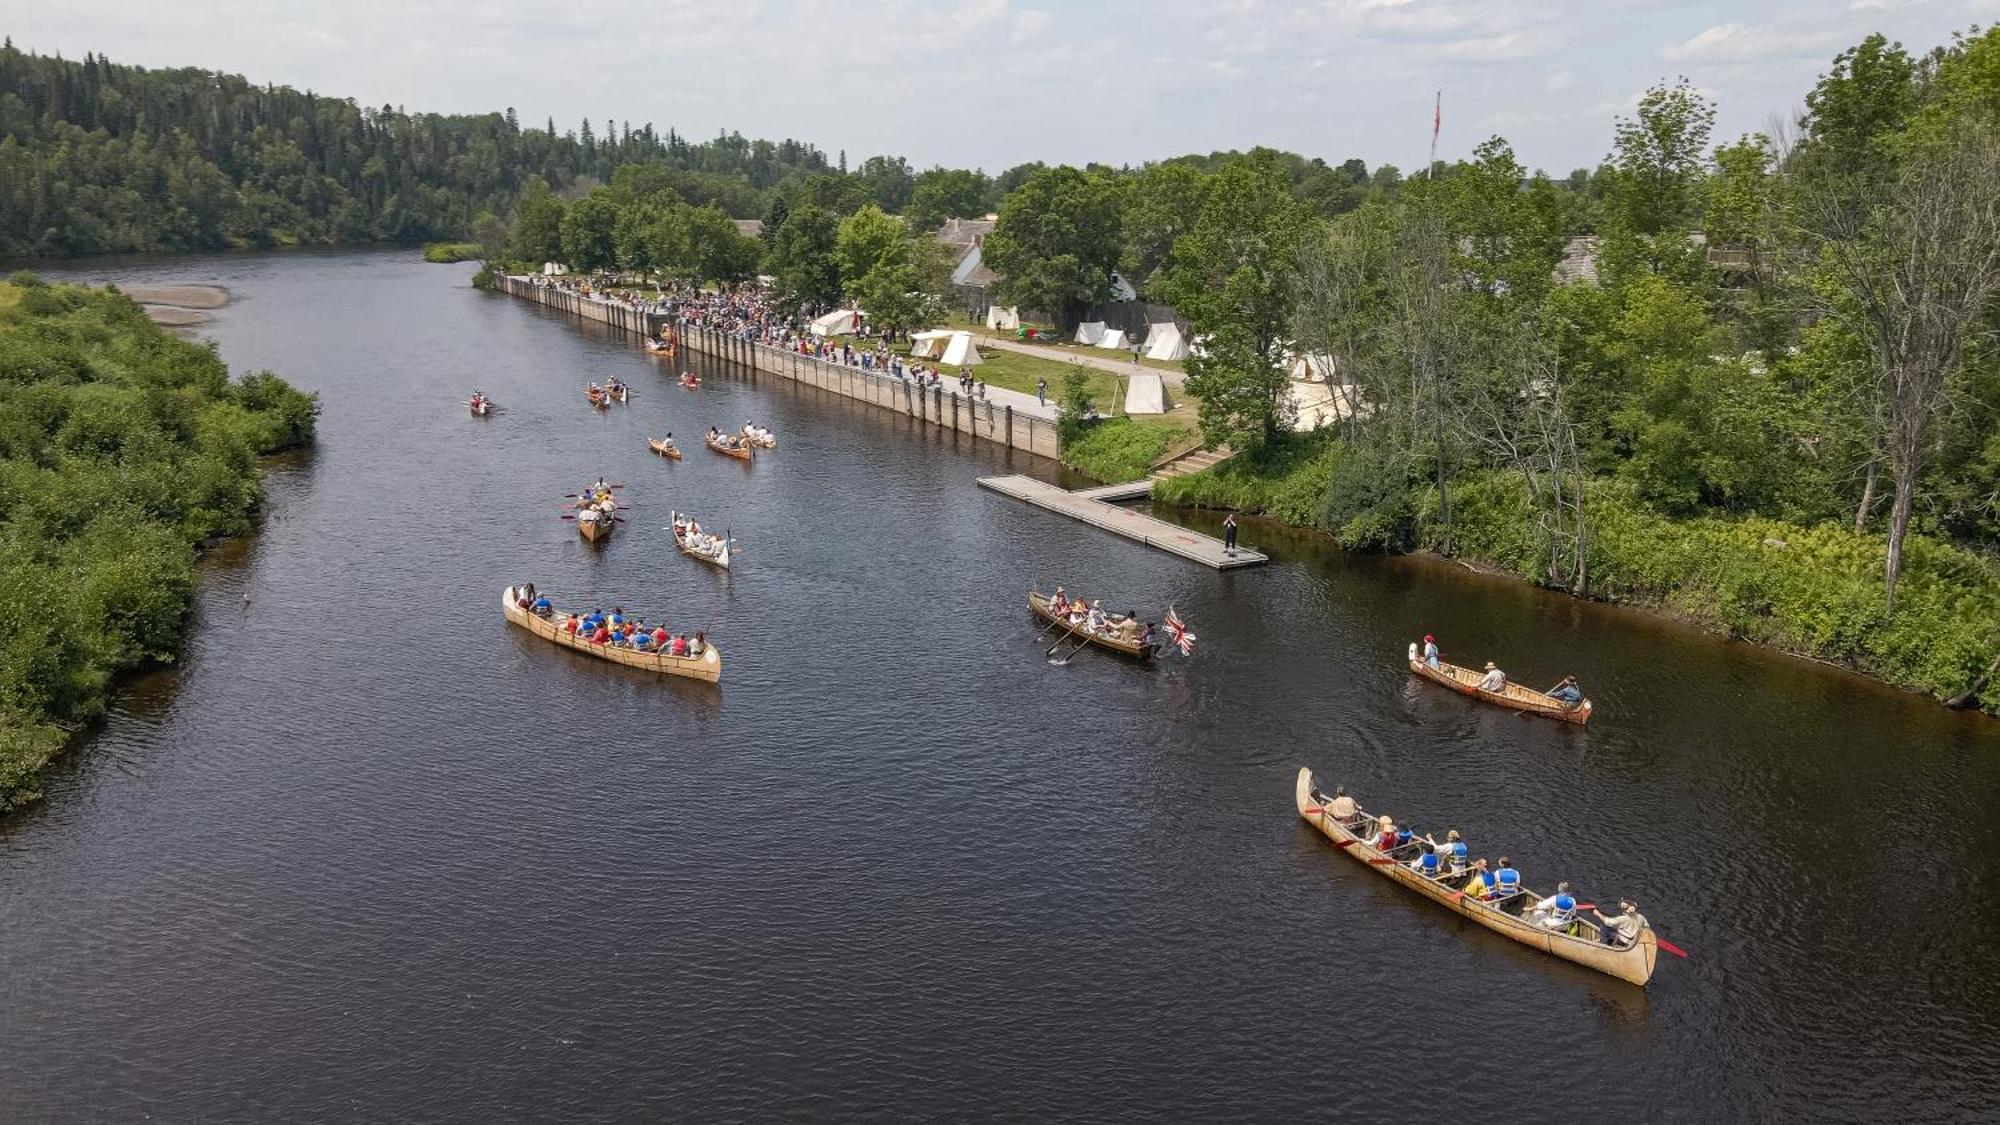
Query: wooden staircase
x,y
1192,461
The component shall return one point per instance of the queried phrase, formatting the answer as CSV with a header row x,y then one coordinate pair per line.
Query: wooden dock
x,y
1089,506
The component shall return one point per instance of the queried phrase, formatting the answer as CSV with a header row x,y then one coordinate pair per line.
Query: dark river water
x,y
371,854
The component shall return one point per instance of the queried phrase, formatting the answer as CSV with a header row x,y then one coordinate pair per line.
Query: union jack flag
x,y
1177,631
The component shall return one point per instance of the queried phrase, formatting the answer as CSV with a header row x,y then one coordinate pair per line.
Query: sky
x,y
994,83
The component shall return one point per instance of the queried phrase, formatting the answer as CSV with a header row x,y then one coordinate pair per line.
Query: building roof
x,y
749,228
965,232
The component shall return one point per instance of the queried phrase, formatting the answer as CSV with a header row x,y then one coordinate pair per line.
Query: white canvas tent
x,y
1145,394
1090,332
1113,339
1003,320
1311,368
961,351
840,322
1165,342
1319,404
924,345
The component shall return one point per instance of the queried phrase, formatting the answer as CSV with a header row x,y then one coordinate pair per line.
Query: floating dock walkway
x,y
1089,505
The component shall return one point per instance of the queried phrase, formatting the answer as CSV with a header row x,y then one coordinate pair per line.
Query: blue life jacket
x,y
1457,848
542,603
1402,837
1509,880
1565,907
1429,863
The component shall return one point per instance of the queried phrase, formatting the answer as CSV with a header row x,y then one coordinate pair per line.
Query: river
x,y
369,853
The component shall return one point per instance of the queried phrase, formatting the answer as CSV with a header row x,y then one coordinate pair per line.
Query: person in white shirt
x,y
1494,681
1621,929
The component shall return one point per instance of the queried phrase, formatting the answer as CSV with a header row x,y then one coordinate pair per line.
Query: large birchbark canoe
x,y
742,454
1465,681
618,393
1632,963
707,666
760,442
664,448
1039,605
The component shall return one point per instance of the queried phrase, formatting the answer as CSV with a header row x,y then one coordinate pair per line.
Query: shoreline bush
x,y
122,449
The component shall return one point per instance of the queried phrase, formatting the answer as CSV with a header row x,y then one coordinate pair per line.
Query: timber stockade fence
x,y
937,406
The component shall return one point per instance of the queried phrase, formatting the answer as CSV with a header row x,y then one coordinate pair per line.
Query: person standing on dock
x,y
1229,533
1041,392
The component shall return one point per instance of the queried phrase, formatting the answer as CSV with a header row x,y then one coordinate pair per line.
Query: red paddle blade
x,y
1670,947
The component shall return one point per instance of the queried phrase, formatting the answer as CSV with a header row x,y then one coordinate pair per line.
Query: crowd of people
x,y
1498,886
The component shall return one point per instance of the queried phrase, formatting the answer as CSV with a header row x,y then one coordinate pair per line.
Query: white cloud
x,y
1559,81
1741,43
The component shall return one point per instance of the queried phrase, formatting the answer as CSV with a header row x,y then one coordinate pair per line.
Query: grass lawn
x,y
9,297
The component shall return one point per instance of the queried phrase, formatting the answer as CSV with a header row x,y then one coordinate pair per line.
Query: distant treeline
x,y
121,448
97,157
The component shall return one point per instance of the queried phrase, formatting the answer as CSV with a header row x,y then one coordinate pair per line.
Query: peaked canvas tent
x,y
1113,339
1001,319
1164,341
1090,332
840,322
1145,394
961,351
924,345
1310,368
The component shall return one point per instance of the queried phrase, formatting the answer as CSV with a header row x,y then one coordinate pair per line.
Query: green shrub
x,y
1287,479
121,448
1118,450
445,253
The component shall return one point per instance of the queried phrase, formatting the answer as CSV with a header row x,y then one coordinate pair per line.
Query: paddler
x,y
1568,693
1453,849
1558,910
1621,929
1341,808
1059,604
1481,885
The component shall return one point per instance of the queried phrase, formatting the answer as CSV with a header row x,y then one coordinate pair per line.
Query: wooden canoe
x,y
707,666
743,454
594,525
481,407
721,558
665,449
598,399
619,393
1465,681
1632,963
690,384
1039,606
760,443
660,347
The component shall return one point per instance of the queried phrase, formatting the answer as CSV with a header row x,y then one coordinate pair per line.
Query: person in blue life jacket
x,y
1430,650
1557,911
1428,865
542,606
1481,886
1506,880
1567,692
1404,837
1453,851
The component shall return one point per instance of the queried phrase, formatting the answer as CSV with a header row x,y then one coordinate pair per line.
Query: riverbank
x,y
1811,591
126,449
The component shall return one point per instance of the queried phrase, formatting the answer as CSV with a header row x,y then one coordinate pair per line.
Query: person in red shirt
x,y
602,635
569,626
680,645
660,638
